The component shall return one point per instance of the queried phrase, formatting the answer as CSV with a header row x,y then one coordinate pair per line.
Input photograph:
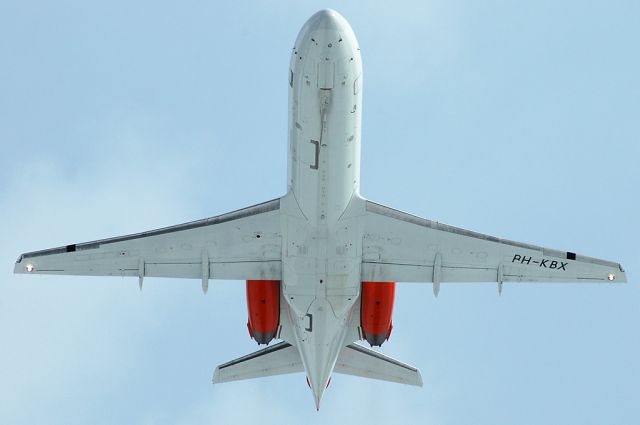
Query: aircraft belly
x,y
324,156
321,260
321,247
324,123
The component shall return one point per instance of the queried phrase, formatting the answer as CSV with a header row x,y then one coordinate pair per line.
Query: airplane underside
x,y
321,262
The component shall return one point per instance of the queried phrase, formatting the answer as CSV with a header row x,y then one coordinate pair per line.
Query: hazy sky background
x,y
516,119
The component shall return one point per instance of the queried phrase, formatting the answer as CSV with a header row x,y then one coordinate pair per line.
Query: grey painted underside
x,y
375,354
279,346
234,215
283,358
282,345
419,221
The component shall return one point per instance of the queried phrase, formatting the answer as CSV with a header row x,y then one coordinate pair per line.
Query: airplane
x,y
321,262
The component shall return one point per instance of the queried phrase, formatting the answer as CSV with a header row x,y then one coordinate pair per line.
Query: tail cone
x,y
318,392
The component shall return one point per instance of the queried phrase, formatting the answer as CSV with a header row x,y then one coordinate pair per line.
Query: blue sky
x,y
517,119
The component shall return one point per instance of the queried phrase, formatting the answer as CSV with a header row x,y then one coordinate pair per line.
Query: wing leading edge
x,y
243,244
402,247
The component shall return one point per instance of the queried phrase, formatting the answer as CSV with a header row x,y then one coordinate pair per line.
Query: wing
x,y
243,244
402,247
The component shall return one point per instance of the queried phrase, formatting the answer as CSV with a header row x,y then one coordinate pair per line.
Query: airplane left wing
x,y
243,244
402,247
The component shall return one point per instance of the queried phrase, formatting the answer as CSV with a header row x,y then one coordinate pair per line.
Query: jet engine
x,y
263,304
376,311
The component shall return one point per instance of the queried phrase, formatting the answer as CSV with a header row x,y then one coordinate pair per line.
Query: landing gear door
x,y
326,74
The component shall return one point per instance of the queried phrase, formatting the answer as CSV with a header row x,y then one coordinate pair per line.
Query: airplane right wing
x,y
402,247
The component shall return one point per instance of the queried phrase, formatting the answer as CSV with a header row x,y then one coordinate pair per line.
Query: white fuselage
x,y
321,253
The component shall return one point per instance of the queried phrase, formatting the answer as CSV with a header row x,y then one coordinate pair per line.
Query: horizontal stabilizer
x,y
283,358
357,360
278,359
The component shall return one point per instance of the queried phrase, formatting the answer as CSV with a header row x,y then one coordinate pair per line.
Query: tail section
x,y
283,358
361,361
278,359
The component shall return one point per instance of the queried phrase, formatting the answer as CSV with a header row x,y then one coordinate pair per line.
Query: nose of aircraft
x,y
326,34
326,19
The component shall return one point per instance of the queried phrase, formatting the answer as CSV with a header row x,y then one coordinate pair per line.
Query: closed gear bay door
x,y
326,74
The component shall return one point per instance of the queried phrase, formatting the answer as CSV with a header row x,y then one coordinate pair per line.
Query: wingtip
x,y
617,276
623,274
419,382
17,266
216,376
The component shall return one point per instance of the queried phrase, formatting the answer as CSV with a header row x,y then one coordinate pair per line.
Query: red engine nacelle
x,y
263,303
376,311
